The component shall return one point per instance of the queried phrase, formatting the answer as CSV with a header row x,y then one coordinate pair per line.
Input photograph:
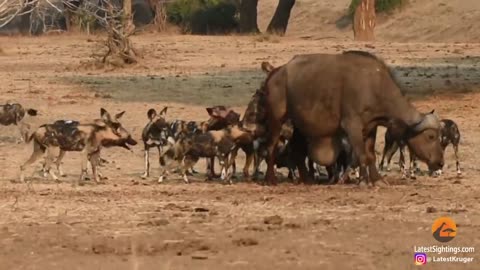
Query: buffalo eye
x,y
431,137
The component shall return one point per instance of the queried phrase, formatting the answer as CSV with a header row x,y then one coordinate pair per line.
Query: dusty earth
x,y
130,223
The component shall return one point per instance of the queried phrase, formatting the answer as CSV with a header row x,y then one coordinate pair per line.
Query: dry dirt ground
x,y
129,223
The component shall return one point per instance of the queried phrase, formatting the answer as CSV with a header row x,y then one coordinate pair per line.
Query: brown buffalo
x,y
353,92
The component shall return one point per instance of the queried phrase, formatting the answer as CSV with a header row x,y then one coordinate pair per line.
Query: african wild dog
x,y
220,118
85,138
158,131
154,134
214,143
449,134
13,113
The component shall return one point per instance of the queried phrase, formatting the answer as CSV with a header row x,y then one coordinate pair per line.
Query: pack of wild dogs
x,y
316,111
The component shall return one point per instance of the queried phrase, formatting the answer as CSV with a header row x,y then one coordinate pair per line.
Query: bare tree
x,y
10,9
160,13
116,20
279,22
248,16
364,21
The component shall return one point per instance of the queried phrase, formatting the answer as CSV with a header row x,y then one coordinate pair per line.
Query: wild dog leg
x,y
146,156
354,129
275,129
188,163
83,172
413,165
373,173
225,162
457,160
58,163
49,160
388,151
249,158
38,151
94,161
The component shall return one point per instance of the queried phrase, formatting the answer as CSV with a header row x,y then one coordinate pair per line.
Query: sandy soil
x,y
129,223
419,20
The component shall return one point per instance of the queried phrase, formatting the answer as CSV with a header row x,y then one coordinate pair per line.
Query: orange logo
x,y
444,229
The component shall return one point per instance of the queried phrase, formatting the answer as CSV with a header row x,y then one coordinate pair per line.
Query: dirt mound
x,y
419,21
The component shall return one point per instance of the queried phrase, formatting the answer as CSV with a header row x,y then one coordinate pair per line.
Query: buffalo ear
x,y
267,67
105,115
151,114
163,111
432,111
119,115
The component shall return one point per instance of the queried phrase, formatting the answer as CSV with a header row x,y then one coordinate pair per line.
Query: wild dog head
x,y
221,117
13,113
157,130
255,114
115,134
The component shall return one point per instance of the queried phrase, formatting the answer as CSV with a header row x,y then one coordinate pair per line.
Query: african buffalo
x,y
353,92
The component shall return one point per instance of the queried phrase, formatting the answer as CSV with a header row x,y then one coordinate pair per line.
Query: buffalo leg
x,y
249,158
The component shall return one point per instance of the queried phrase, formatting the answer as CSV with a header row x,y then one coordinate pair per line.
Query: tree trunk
x,y
364,21
278,24
248,16
127,12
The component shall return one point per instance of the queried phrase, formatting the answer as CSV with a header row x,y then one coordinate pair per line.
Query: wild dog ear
x,y
267,67
397,128
210,111
151,114
105,115
119,115
163,111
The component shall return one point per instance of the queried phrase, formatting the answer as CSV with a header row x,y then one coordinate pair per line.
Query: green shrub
x,y
204,16
380,5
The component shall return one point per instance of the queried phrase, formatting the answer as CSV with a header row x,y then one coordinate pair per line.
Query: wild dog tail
x,y
32,112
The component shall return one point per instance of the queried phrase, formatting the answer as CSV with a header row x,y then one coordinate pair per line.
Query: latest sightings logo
x,y
444,229
420,258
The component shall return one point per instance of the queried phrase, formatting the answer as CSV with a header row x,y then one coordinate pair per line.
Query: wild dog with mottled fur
x,y
154,134
214,143
86,138
158,130
13,113
449,134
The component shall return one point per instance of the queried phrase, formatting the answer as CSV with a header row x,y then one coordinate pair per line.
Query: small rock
x,y
199,257
431,209
245,242
160,222
201,209
273,220
293,226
